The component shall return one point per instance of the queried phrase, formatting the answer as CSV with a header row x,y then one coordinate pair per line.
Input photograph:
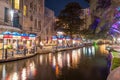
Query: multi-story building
x,y
9,22
37,19
27,16
8,17
49,22
33,16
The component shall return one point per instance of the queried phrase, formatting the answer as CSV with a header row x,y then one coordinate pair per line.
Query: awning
x,y
32,36
24,36
16,35
7,35
54,37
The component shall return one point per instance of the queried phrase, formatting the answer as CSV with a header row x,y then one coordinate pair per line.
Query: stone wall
x,y
48,29
34,19
4,5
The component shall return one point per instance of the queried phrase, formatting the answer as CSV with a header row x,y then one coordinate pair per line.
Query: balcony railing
x,y
8,25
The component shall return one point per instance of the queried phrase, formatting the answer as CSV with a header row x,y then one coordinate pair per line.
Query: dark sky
x,y
58,5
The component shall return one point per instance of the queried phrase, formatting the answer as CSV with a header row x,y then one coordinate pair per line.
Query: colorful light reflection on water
x,y
69,65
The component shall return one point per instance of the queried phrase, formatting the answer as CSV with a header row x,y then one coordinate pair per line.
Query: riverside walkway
x,y
16,57
115,74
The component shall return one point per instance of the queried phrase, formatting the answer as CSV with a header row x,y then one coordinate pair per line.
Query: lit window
x,y
17,5
24,10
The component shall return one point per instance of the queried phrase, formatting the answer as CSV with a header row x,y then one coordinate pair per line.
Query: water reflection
x,y
68,65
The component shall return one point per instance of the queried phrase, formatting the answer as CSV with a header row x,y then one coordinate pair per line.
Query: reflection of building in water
x,y
41,59
89,51
59,59
50,58
15,76
57,70
26,72
74,58
79,52
68,60
24,77
57,64
93,50
54,61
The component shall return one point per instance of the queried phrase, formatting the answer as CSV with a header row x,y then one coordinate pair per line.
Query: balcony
x,y
8,26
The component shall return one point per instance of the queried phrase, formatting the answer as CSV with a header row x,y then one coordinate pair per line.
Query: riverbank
x,y
115,67
115,51
115,59
39,51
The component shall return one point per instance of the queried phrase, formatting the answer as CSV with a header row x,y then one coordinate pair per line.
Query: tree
x,y
69,18
87,1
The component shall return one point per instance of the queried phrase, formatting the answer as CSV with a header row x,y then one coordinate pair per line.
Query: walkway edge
x,y
17,58
25,57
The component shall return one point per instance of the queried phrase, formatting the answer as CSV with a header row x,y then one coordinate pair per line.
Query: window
x,y
17,4
6,16
31,5
47,31
31,18
35,23
24,10
39,25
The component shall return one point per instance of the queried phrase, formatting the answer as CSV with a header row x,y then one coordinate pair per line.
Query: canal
x,y
87,63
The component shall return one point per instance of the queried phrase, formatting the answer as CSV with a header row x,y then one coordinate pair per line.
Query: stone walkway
x,y
114,75
39,51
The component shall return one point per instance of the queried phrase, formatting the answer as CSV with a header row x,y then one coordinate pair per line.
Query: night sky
x,y
58,5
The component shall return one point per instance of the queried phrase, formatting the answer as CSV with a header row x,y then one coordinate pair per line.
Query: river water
x,y
87,63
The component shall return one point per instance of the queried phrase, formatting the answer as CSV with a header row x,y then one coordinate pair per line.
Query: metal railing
x,y
9,25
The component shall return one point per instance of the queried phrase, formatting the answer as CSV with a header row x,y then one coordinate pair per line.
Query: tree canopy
x,y
69,18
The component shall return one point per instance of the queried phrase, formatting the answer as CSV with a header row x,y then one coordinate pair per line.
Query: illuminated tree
x,y
103,4
69,18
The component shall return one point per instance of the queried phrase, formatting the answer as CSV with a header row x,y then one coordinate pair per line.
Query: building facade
x,y
7,17
48,30
33,16
27,16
